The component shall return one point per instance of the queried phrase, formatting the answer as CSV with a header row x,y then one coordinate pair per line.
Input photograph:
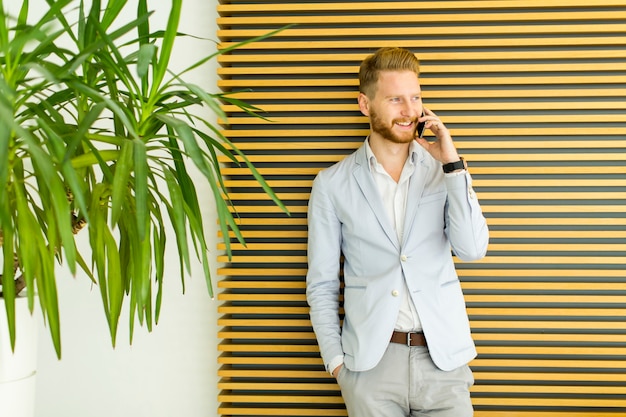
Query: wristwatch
x,y
453,166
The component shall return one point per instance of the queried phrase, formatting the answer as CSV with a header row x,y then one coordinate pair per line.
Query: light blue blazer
x,y
346,217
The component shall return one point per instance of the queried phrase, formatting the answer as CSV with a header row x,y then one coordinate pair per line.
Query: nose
x,y
408,109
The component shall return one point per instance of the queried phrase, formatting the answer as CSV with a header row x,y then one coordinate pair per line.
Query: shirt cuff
x,y
334,363
455,173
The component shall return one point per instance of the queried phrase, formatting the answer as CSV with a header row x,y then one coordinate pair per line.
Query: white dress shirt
x,y
394,196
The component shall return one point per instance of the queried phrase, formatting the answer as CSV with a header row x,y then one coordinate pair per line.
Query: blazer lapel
x,y
364,179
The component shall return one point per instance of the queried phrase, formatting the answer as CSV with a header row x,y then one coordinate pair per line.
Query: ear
x,y
364,104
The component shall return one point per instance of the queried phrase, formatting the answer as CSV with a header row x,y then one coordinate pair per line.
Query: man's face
x,y
396,106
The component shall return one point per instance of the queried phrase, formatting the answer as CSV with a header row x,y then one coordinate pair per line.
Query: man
x,y
396,210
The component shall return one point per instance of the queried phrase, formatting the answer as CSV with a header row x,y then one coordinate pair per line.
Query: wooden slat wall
x,y
535,95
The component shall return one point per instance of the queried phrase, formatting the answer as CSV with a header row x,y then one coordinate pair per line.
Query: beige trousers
x,y
406,383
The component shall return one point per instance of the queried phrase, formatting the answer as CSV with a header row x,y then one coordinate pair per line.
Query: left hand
x,y
443,148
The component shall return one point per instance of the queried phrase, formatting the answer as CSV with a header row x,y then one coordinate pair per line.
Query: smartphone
x,y
420,127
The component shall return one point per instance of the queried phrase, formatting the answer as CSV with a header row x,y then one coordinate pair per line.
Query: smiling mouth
x,y
407,123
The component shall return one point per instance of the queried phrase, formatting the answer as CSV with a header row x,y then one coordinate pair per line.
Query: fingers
x,y
432,121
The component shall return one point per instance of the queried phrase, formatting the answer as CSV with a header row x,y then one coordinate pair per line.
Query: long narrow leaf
x,y
141,186
167,46
47,174
177,216
114,283
123,168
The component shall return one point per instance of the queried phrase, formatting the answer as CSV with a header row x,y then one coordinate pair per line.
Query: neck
x,y
390,155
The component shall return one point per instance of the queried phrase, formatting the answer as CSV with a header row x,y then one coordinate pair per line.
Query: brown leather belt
x,y
409,339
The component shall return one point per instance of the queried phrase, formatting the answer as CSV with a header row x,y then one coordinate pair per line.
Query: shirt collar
x,y
371,158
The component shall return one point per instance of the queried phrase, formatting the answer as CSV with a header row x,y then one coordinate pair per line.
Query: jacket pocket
x,y
429,198
355,282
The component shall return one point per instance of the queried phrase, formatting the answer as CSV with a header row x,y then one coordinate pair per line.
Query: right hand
x,y
336,371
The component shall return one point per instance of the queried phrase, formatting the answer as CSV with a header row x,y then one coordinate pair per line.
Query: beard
x,y
387,132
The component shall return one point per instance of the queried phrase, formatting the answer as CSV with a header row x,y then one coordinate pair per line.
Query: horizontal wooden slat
x,y
584,389
534,272
481,106
505,285
522,131
491,260
298,399
286,411
432,69
517,145
432,31
383,6
582,94
555,364
483,196
528,312
484,298
510,157
492,221
478,119
426,42
283,411
310,19
554,234
486,209
431,82
477,325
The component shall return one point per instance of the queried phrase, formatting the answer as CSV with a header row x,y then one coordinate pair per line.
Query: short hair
x,y
385,59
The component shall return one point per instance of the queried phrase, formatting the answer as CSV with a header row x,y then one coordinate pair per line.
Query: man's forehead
x,y
405,82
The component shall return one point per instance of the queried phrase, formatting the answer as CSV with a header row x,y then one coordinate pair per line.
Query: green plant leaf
x,y
178,217
141,187
123,168
167,45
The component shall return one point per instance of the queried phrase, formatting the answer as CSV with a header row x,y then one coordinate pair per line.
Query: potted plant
x,y
97,133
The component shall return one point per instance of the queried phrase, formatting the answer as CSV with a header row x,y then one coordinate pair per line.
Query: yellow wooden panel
x,y
500,209
512,42
522,131
431,69
282,411
475,144
428,83
483,157
533,94
383,6
408,18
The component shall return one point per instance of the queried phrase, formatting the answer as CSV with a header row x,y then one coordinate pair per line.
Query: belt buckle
x,y
408,338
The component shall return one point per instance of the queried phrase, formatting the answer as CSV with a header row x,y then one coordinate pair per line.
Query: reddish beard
x,y
386,131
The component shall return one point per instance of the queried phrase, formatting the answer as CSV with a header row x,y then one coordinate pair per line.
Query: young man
x,y
397,209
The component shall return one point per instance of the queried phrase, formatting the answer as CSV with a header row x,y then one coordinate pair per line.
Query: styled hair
x,y
385,59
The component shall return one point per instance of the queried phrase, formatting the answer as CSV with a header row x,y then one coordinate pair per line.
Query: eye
x,y
394,99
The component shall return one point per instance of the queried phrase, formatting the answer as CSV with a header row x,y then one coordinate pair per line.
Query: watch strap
x,y
453,166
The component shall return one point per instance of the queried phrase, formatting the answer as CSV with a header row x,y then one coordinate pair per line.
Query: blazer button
x,y
395,293
403,258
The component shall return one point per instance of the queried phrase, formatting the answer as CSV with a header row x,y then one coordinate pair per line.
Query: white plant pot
x,y
18,369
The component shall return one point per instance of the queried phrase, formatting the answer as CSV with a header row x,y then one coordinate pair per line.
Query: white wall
x,y
169,372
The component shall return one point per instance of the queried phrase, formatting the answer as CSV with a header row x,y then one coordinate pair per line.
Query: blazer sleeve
x,y
323,282
465,224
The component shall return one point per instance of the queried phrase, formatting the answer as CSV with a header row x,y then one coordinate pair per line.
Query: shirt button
x,y
403,258
395,293
472,194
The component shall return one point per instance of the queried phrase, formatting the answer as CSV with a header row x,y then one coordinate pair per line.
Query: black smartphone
x,y
420,127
